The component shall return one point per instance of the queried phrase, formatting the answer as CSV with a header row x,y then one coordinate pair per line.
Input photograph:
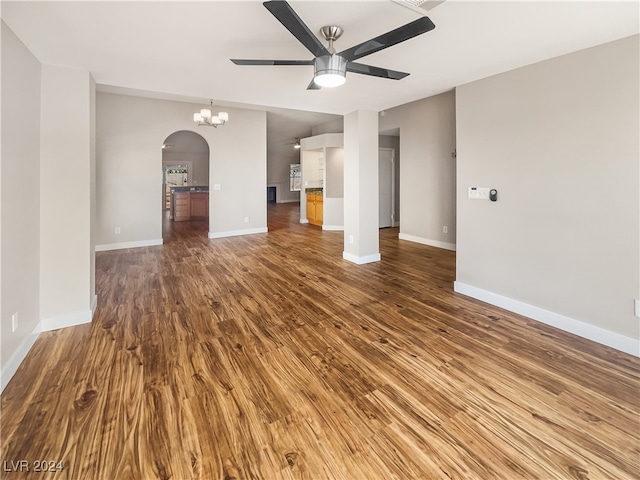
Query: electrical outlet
x,y
445,229
351,239
14,322
117,230
637,307
246,219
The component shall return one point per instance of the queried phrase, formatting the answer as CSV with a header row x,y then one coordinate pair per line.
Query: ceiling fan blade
x,y
375,71
239,61
386,40
313,86
292,22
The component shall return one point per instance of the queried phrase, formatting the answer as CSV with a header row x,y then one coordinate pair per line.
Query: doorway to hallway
x,y
386,187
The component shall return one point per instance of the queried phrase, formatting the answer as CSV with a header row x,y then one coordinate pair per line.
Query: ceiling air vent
x,y
417,5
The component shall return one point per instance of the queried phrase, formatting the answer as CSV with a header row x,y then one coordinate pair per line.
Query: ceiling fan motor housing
x,y
330,70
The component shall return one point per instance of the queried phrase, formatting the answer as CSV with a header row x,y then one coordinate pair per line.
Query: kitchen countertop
x,y
191,188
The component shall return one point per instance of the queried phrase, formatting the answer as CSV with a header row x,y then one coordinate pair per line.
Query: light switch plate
x,y
479,193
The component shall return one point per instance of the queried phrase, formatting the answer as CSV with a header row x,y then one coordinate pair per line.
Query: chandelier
x,y
205,117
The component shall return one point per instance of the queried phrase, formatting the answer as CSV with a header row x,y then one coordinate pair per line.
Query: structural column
x,y
361,229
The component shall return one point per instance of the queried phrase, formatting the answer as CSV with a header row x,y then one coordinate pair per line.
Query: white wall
x,y
20,196
333,208
332,126
427,194
334,172
66,252
559,140
130,132
47,164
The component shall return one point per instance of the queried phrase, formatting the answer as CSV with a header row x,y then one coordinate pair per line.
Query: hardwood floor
x,y
270,357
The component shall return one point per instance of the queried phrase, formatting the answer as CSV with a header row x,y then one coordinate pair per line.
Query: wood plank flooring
x,y
270,357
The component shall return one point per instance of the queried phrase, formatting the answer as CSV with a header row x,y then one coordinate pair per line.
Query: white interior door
x,y
385,186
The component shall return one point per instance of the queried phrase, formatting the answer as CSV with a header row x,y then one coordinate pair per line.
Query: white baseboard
x,y
11,367
44,325
236,233
336,228
361,260
123,245
585,330
68,320
304,220
426,241
292,200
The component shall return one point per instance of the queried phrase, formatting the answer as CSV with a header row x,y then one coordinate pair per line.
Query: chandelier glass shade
x,y
205,117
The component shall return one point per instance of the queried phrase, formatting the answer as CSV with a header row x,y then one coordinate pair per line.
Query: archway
x,y
185,172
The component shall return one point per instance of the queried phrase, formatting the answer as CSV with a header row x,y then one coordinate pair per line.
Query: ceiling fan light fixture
x,y
330,71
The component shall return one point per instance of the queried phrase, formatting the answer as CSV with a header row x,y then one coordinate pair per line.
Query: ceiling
x,y
181,50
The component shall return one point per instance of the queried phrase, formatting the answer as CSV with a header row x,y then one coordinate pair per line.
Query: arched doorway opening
x,y
185,177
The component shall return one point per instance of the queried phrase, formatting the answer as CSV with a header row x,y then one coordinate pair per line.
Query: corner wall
x,y
66,252
559,140
20,198
47,269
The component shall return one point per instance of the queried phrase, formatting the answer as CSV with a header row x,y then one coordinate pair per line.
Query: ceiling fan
x,y
331,68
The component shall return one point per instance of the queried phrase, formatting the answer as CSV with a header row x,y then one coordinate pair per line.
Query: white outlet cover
x,y
637,307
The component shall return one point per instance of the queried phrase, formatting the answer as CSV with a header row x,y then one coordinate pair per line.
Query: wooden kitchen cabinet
x,y
199,205
181,207
315,208
189,205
